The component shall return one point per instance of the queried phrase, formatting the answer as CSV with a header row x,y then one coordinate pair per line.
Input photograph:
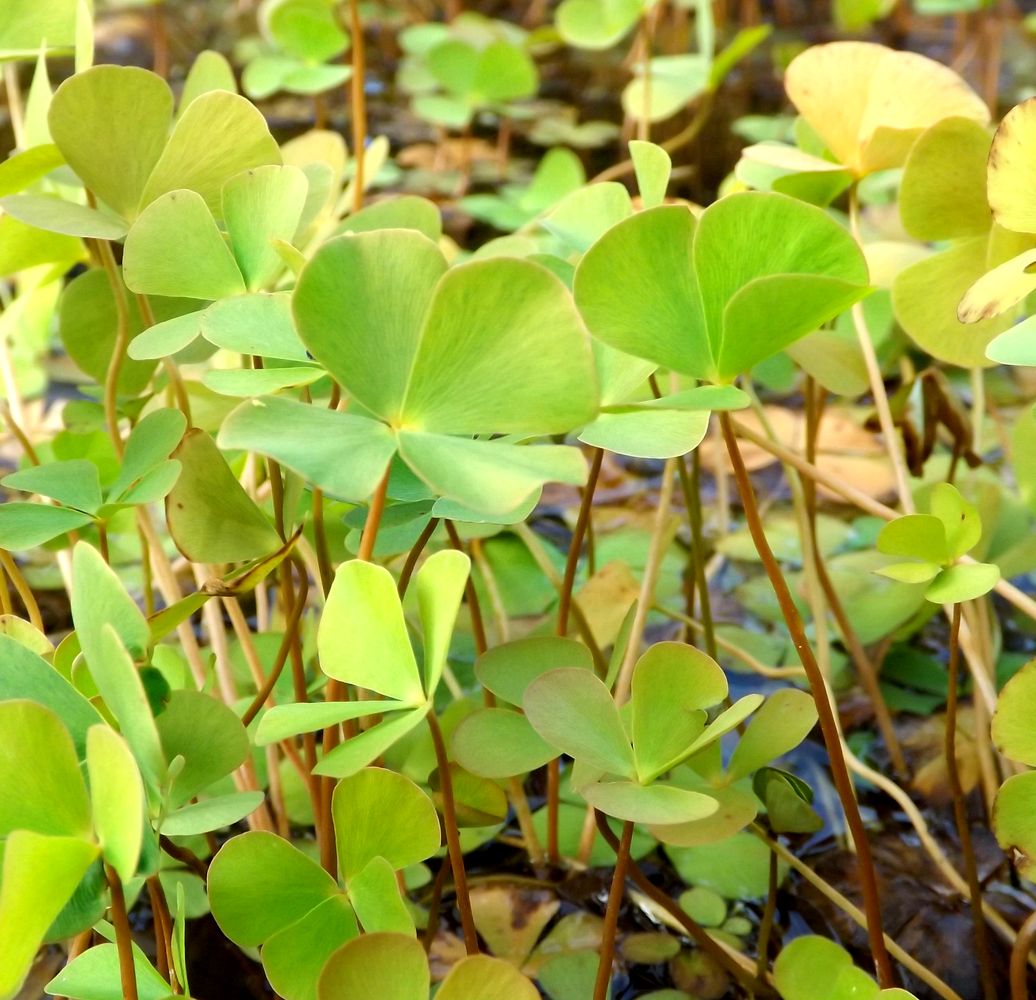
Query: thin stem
x,y
359,104
1023,602
373,522
478,627
874,376
766,923
825,711
960,812
432,927
415,554
449,822
327,573
16,429
123,935
690,486
904,958
118,355
28,598
611,914
693,929
1020,958
645,599
575,546
185,856
162,926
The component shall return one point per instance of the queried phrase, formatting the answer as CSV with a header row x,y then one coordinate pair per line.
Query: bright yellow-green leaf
x,y
386,966
487,979
869,103
1000,289
1014,821
1012,169
117,799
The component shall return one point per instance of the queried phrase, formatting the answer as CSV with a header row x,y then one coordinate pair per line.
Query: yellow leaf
x,y
1012,169
1000,289
869,103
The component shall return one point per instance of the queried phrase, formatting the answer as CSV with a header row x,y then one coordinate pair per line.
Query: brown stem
x,y
185,856
290,633
28,598
449,823
690,484
163,928
576,544
1020,959
432,927
123,935
611,914
825,711
960,813
864,667
415,554
766,923
694,930
478,627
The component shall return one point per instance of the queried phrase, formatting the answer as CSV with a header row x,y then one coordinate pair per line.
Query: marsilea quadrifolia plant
x,y
377,667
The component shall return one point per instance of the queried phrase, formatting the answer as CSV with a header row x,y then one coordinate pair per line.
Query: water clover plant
x,y
1012,734
808,960
434,356
714,296
301,38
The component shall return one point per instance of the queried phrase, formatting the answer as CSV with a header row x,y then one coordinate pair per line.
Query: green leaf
x,y
499,743
23,246
665,86
28,25
259,884
920,536
508,669
74,483
123,691
175,248
39,875
375,896
362,637
387,966
489,477
672,685
808,960
942,196
111,124
26,525
487,979
359,305
294,957
502,349
56,215
41,788
913,572
23,674
1016,346
284,721
23,169
207,735
211,814
735,811
262,205
401,212
587,213
960,518
363,802
167,337
597,24
219,135
1012,728
117,799
254,324
209,71
148,446
653,166
963,582
664,804
99,598
94,975
357,752
780,725
737,867
574,712
311,440
1014,823
211,518
440,584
